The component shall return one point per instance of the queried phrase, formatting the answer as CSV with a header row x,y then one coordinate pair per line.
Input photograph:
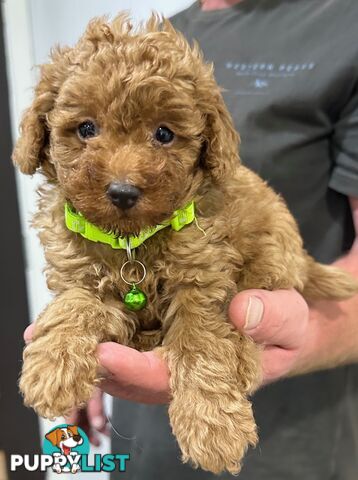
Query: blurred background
x,y
28,30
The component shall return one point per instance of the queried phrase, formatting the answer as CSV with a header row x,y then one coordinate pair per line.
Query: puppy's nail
x,y
254,313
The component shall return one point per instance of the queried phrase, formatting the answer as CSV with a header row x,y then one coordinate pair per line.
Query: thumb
x,y
133,375
276,318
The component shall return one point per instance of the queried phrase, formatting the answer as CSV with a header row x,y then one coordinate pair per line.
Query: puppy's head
x,y
128,124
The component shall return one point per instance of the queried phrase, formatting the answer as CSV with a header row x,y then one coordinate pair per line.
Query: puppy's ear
x,y
73,429
54,436
31,149
221,141
220,152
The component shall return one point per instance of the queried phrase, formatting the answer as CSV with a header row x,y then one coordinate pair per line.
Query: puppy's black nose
x,y
123,195
76,438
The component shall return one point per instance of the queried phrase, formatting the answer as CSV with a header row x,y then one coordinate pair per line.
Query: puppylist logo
x,y
65,450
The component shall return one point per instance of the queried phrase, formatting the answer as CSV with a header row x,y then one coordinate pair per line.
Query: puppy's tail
x,y
327,282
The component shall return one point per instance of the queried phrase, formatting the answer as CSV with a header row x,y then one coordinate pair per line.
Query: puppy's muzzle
x,y
123,195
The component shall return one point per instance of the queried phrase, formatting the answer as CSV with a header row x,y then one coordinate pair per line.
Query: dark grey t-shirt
x,y
290,71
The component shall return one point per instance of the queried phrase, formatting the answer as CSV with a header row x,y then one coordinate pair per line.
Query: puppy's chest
x,y
170,263
147,275
156,272
151,318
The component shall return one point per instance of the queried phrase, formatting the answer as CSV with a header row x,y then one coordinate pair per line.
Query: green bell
x,y
135,299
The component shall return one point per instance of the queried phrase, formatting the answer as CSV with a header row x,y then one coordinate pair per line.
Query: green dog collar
x,y
77,223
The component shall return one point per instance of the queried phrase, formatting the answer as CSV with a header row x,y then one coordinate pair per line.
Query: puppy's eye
x,y
164,135
87,129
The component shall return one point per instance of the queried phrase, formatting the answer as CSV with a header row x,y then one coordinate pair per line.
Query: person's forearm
x,y
334,334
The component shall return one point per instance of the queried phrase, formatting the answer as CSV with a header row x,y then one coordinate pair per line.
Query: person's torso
x,y
287,68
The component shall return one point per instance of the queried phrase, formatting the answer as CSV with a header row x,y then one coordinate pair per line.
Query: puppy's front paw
x,y
213,431
54,381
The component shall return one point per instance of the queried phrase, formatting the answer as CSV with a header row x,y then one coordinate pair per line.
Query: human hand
x,y
279,322
283,331
138,376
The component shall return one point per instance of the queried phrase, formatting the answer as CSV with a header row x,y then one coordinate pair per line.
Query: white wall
x,y
32,28
62,22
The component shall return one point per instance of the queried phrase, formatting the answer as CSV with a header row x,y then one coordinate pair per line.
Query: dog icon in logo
x,y
66,439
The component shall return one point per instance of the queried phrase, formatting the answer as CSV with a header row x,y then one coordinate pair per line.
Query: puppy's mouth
x,y
123,222
125,209
133,210
133,223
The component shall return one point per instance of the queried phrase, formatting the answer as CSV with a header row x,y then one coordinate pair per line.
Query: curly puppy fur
x,y
129,82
